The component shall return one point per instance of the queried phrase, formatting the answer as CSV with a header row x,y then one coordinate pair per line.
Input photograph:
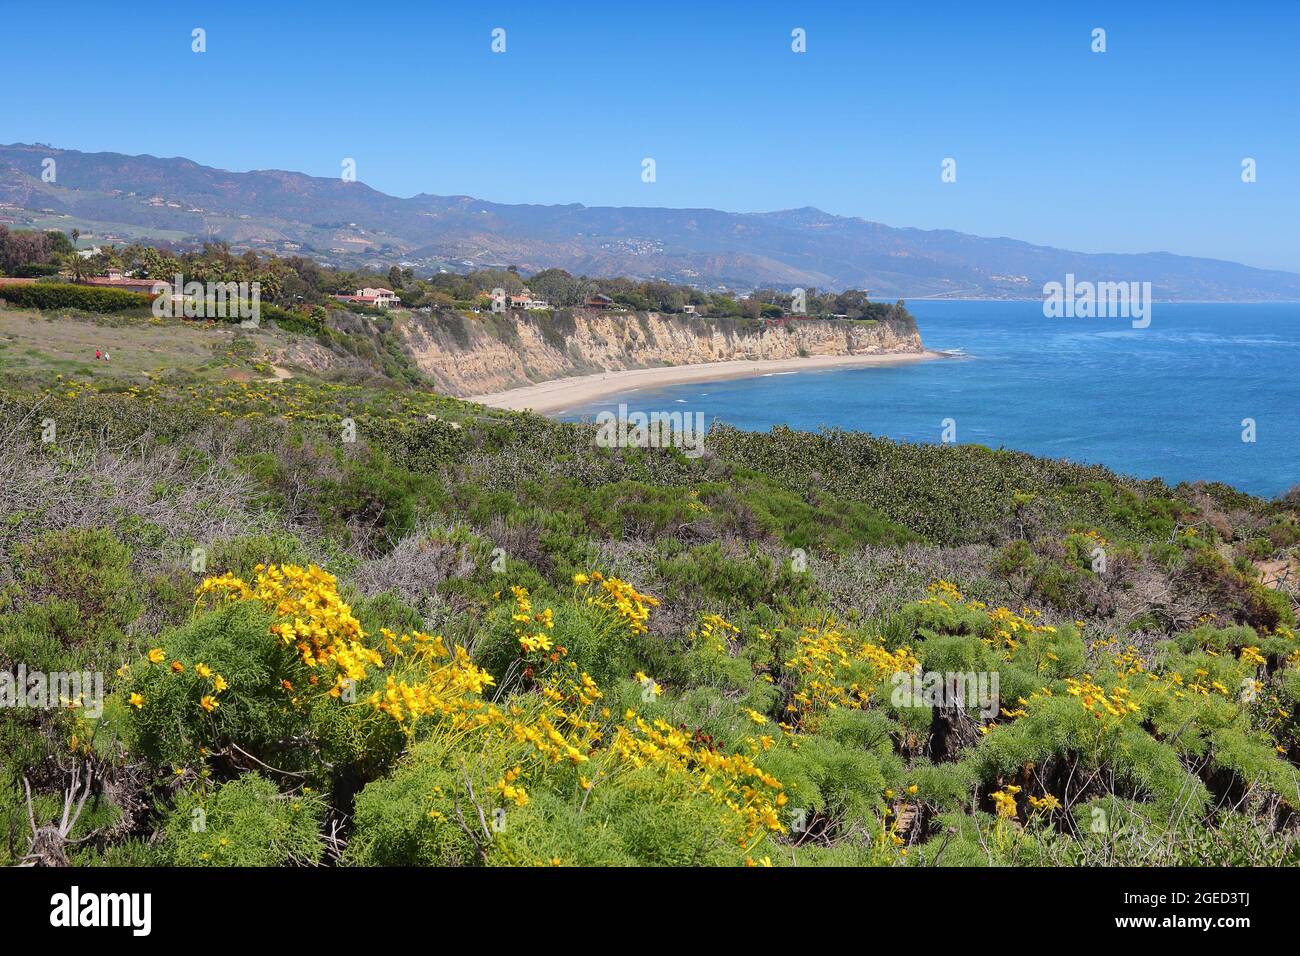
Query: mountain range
x,y
114,197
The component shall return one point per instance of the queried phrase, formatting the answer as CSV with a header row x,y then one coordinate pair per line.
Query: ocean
x,y
1174,400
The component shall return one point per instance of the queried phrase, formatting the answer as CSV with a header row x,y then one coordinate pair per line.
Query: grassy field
x,y
139,348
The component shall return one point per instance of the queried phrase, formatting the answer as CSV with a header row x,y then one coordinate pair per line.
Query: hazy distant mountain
x,y
117,198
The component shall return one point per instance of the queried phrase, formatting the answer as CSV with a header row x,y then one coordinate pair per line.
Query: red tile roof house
x,y
115,280
599,301
525,300
379,298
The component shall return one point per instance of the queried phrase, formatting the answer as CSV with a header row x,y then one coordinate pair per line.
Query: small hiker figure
x,y
98,355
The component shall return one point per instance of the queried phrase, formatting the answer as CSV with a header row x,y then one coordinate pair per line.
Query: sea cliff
x,y
487,353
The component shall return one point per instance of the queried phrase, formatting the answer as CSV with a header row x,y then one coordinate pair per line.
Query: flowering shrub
x,y
559,740
310,617
719,692
831,669
261,677
245,822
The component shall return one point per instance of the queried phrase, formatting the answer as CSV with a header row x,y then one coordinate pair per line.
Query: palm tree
x,y
76,266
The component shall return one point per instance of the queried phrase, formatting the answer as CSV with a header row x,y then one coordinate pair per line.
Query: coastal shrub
x,y
398,821
423,815
1059,573
72,606
15,828
598,628
311,322
1246,600
712,576
263,678
1060,730
171,710
244,822
837,785
679,707
647,819
88,568
65,295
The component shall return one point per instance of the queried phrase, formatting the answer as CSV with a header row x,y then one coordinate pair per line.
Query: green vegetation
x,y
294,285
364,624
65,295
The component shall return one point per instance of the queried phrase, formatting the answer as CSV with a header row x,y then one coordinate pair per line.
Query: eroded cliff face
x,y
489,353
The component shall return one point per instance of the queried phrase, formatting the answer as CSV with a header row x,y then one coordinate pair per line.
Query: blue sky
x,y
1136,149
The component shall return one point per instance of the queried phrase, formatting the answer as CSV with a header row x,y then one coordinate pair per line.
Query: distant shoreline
x,y
562,394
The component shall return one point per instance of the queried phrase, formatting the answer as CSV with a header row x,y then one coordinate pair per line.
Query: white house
x,y
379,298
526,300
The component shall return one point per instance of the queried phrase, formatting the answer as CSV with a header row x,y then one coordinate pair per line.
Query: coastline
x,y
561,394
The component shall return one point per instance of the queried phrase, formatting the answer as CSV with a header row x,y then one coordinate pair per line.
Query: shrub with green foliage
x,y
244,822
65,295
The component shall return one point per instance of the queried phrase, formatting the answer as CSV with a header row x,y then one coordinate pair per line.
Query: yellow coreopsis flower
x,y
137,701
1005,802
1048,802
156,656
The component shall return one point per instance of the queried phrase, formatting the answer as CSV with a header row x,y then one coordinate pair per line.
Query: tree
x,y
77,267
558,287
58,242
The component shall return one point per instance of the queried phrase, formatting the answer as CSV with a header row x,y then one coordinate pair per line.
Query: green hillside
x,y
351,621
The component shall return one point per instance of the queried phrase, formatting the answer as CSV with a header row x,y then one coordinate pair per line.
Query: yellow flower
x,y
1005,802
156,656
209,703
535,642
515,794
137,701
1251,655
203,670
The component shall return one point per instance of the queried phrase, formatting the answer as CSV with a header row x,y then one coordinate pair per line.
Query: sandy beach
x,y
562,394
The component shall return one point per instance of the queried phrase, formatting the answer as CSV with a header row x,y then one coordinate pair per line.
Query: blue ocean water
x,y
1168,400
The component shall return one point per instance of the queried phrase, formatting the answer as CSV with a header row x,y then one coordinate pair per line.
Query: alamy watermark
x,y
38,690
74,908
684,430
1098,300
963,689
